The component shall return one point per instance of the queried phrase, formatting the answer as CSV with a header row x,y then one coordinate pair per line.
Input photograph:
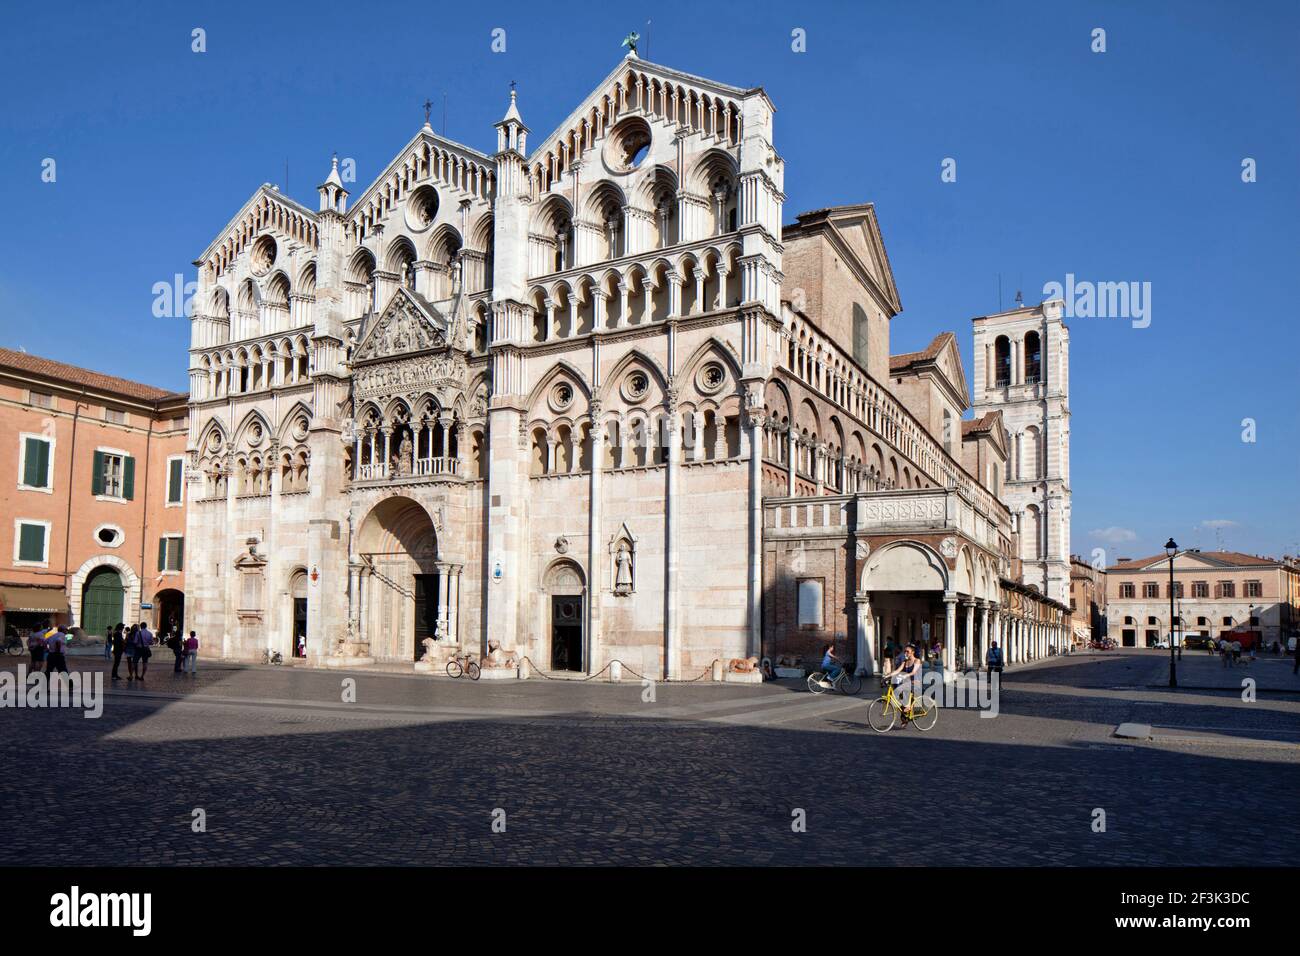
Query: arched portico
x,y
900,601
406,594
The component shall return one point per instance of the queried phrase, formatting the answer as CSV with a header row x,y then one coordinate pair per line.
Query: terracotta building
x,y
92,484
1087,599
1215,594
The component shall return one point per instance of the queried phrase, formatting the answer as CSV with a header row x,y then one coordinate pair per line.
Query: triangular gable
x,y
857,232
272,196
408,324
949,363
606,86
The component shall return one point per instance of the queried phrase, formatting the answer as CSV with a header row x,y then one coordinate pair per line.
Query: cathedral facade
x,y
574,403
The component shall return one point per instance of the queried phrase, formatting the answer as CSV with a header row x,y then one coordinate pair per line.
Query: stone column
x,y
756,423
453,627
949,631
595,587
443,589
819,462
672,639
793,456
866,634
969,637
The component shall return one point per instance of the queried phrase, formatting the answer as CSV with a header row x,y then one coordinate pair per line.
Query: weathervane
x,y
630,40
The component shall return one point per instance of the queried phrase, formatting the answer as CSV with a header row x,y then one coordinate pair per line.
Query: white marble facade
x,y
502,396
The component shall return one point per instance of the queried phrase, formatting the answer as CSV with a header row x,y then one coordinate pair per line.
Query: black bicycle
x,y
846,682
14,645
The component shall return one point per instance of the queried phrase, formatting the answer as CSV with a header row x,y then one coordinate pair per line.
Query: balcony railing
x,y
419,468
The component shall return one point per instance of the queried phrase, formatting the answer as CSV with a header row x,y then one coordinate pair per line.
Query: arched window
x,y
1033,359
1001,362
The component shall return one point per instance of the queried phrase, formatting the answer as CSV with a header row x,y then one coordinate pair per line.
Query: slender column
x,y
969,637
794,454
949,631
756,422
671,639
819,461
866,634
443,617
595,586
453,628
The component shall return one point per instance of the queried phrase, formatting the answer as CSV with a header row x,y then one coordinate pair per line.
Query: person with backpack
x,y
145,650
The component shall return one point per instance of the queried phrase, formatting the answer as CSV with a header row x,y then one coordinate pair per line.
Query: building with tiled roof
x,y
92,480
1215,593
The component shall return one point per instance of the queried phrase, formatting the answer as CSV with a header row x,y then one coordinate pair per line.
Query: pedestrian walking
x,y
108,642
36,647
177,648
132,651
119,646
192,654
55,661
1236,652
146,651
994,658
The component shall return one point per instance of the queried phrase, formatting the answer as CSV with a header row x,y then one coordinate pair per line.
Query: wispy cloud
x,y
1218,523
1114,535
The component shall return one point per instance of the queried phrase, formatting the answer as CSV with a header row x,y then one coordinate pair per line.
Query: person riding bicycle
x,y
830,669
904,678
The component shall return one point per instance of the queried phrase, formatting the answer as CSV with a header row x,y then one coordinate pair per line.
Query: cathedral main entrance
x,y
401,601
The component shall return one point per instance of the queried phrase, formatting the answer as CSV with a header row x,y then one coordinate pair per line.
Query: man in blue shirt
x,y
995,658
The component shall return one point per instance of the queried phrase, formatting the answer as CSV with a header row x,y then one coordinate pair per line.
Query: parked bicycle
x,y
884,711
846,682
14,645
272,657
462,664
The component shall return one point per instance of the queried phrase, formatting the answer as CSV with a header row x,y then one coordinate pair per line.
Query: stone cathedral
x,y
580,401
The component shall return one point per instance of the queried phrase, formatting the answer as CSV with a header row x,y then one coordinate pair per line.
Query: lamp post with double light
x,y
1171,549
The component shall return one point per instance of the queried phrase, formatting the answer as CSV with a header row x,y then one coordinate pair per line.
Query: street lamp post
x,y
1171,549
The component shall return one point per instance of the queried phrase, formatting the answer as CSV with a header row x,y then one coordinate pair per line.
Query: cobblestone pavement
x,y
412,772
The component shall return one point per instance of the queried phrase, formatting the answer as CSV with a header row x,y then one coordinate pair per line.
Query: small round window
x,y
635,386
628,145
561,396
108,535
711,378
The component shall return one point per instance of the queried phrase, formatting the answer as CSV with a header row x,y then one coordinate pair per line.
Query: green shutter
x,y
162,554
36,464
31,542
180,554
97,474
128,478
174,481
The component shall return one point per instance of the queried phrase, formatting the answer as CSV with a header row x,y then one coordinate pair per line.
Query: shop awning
x,y
17,597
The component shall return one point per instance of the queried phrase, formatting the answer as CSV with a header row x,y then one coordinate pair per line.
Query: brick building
x,y
92,483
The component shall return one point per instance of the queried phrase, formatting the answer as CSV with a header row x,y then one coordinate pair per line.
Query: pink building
x,y
92,480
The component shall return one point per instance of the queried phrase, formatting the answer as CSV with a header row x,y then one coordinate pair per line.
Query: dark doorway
x,y
426,610
170,613
566,632
299,627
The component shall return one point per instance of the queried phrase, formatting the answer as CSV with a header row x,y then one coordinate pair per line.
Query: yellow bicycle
x,y
885,710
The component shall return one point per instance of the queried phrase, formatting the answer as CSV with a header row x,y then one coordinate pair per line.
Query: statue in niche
x,y
623,569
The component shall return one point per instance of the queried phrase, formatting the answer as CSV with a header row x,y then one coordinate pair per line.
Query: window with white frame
x,y
171,553
810,602
113,474
31,542
175,481
36,463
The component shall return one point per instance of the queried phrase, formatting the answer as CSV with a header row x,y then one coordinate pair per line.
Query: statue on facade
x,y
623,569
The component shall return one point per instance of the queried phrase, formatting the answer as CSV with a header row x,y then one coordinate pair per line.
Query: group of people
x,y
1230,651
49,647
137,643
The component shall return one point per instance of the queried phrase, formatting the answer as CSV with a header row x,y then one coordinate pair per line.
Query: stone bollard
x,y
615,671
717,671
525,669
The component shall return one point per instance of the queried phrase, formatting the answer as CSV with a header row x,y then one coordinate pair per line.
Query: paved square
x,y
412,772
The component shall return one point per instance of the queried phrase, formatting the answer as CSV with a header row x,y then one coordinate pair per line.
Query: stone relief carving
x,y
399,330
948,547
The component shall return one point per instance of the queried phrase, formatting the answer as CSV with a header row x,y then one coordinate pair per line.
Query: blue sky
x,y
1115,166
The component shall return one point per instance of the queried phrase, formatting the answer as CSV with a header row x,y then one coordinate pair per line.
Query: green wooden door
x,y
101,601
